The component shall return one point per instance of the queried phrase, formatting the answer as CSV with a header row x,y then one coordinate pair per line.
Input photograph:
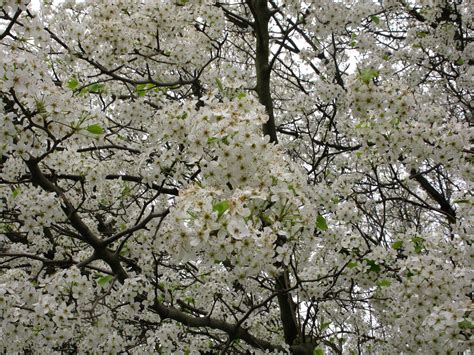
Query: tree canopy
x,y
236,176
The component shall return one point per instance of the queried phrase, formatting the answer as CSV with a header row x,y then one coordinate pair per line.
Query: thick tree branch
x,y
7,30
197,322
262,15
435,195
102,252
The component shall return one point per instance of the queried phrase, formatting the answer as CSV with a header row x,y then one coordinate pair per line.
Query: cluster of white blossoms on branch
x,y
250,198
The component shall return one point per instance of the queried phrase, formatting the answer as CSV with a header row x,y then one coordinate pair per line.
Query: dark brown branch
x,y
10,25
136,227
139,179
435,195
262,15
198,322
102,252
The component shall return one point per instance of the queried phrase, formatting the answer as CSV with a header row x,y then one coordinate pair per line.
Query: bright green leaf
x,y
96,88
418,244
321,223
16,192
367,74
375,19
220,207
352,264
384,283
397,245
104,280
95,129
73,83
142,89
241,95
212,139
318,351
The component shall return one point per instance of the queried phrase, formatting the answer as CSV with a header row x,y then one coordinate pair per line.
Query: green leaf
x,y
96,88
241,95
40,106
375,19
318,351
460,61
16,192
220,207
321,223
462,201
373,266
220,87
124,250
465,324
352,264
325,325
384,283
367,74
422,34
397,245
73,83
6,227
95,129
192,214
266,219
212,139
418,244
104,280
142,89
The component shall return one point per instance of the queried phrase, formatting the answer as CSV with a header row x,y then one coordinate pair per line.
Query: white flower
x,y
237,228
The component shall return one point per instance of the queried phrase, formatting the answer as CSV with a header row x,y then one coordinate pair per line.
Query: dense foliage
x,y
232,176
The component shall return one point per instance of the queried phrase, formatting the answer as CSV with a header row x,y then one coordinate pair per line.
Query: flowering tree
x,y
236,176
